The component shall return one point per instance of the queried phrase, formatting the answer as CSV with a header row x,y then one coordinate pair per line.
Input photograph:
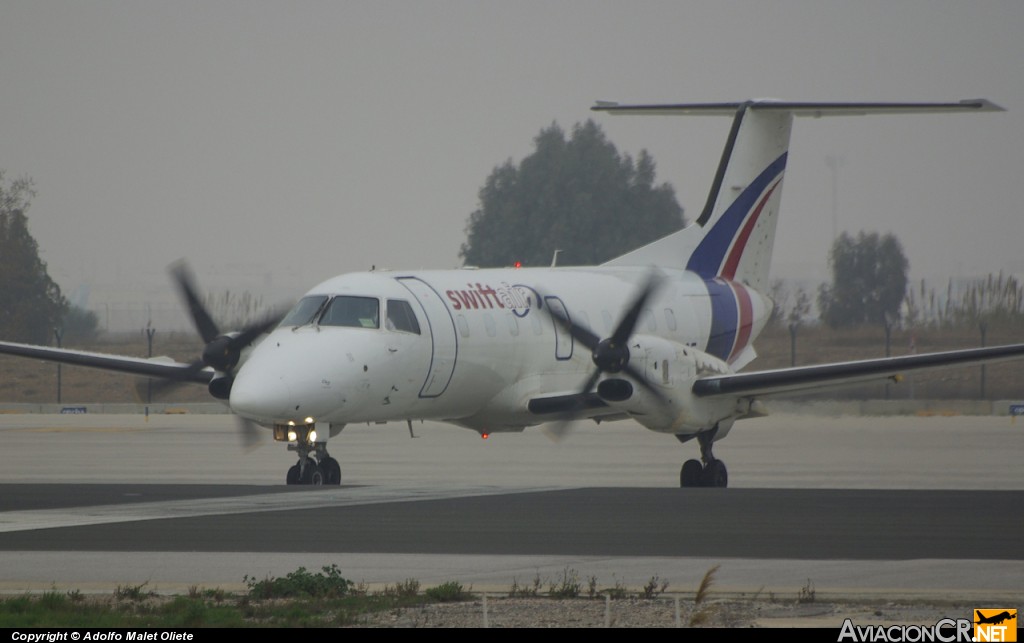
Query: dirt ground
x,y
662,612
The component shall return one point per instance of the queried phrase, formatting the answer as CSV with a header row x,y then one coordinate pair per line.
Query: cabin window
x,y
401,317
670,319
513,325
652,323
460,320
489,325
304,311
352,312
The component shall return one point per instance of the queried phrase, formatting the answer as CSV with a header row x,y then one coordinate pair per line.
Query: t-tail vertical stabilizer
x,y
734,235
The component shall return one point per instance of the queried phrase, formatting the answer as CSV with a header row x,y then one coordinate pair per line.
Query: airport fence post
x,y
983,327
58,333
150,331
793,327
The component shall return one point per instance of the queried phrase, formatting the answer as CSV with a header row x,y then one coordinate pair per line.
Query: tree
x,y
786,312
80,325
579,196
31,304
869,281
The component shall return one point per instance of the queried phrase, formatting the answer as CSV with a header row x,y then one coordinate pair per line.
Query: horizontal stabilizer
x,y
814,109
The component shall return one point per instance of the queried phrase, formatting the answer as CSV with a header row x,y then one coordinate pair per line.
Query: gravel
x,y
661,612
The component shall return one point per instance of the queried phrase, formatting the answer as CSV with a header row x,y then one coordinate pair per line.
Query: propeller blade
x,y
250,433
251,332
579,332
625,328
223,353
200,316
609,355
591,381
154,388
557,431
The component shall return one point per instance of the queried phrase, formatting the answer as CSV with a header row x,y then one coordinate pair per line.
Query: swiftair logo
x,y
995,625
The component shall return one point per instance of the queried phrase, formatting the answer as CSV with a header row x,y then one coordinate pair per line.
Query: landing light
x,y
312,436
309,420
292,436
291,422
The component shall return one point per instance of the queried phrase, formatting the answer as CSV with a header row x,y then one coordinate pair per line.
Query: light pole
x,y
889,323
833,163
150,331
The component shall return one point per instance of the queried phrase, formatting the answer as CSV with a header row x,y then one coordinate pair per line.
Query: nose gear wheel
x,y
309,470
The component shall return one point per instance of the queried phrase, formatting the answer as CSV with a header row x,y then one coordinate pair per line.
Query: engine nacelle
x,y
670,368
220,386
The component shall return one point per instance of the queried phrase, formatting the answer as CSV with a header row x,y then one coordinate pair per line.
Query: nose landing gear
x,y
321,471
315,466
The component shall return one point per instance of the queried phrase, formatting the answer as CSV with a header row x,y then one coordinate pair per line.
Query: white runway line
x,y
11,521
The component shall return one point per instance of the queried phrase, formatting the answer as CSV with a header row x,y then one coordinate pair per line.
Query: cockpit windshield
x,y
304,311
357,312
343,310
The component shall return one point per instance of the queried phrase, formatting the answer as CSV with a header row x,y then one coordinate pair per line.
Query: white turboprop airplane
x,y
656,335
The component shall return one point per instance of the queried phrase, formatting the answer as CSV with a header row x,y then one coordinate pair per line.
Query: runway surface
x,y
914,506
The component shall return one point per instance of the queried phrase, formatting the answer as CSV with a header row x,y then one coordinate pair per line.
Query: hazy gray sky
x,y
275,144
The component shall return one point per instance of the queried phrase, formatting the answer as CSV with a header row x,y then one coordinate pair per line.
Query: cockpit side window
x,y
355,312
401,317
304,311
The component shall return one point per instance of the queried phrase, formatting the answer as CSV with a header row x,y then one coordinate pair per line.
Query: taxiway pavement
x,y
901,506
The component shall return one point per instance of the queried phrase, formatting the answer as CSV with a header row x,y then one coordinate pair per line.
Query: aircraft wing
x,y
152,367
798,379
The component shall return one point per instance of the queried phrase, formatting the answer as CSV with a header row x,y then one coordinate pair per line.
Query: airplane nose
x,y
261,395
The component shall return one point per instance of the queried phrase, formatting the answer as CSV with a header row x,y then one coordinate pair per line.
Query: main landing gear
x,y
708,471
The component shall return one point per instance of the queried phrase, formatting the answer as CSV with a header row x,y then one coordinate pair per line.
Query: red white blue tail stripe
x,y
719,252
717,258
732,318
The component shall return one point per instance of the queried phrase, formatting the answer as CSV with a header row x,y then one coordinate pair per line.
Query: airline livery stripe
x,y
709,255
746,319
729,271
722,336
732,318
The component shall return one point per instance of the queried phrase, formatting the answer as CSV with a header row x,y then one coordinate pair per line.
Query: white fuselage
x,y
485,348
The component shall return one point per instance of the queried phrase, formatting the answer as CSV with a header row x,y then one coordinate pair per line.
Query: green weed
x,y
449,592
